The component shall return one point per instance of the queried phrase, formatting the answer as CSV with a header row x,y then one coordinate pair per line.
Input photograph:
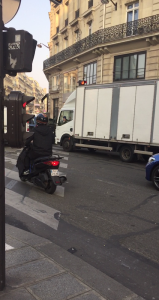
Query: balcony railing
x,y
140,27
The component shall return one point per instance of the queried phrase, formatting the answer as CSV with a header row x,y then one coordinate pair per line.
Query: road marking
x,y
8,247
32,208
12,174
60,152
63,165
11,184
12,160
65,158
60,191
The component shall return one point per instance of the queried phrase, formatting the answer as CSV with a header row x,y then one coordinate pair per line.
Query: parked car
x,y
152,170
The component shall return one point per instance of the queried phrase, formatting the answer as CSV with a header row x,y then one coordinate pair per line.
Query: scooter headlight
x,y
151,159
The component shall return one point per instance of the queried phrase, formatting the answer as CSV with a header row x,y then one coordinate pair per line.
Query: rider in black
x,y
42,139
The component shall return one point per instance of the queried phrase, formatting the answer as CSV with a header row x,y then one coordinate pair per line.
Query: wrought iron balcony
x,y
122,31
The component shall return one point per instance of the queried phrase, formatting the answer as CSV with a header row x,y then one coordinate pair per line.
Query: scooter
x,y
43,172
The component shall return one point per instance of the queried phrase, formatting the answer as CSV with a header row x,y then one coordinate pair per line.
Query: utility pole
x,y
2,175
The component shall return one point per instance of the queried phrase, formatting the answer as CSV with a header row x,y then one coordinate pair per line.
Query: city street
x,y
106,214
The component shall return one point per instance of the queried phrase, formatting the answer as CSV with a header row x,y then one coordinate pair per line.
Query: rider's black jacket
x,y
42,141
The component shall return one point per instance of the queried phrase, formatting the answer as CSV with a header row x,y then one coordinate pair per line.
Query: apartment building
x,y
29,87
101,43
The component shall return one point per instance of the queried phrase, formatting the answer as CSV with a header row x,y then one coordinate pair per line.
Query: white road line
x,y
12,174
60,152
12,160
32,208
63,165
65,158
60,190
8,247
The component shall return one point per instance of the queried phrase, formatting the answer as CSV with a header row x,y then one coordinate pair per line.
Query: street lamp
x,y
107,1
40,45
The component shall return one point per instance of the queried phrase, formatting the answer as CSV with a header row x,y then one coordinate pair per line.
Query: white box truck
x,y
120,117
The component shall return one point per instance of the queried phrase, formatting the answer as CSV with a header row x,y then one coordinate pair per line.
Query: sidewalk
x,y
39,269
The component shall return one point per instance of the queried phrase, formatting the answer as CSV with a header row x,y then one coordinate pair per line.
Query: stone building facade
x,y
101,43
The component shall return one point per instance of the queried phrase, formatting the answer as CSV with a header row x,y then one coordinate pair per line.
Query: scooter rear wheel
x,y
51,187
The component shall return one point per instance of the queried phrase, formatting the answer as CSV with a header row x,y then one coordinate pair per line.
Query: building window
x,y
66,42
90,28
66,22
90,73
57,29
57,20
77,14
133,12
132,18
70,81
131,66
55,109
77,35
56,48
90,3
55,82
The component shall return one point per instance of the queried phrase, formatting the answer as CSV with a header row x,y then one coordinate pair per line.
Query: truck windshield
x,y
65,117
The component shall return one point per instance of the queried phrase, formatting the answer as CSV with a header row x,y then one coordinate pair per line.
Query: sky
x,y
33,17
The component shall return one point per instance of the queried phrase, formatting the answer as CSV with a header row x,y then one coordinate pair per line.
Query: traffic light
x,y
82,82
17,118
57,2
19,49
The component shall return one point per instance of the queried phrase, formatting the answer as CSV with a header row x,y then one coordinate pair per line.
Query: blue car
x,y
152,170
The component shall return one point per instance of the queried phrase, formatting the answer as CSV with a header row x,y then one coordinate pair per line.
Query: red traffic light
x,y
82,82
26,100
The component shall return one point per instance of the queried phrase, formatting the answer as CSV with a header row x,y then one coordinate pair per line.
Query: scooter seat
x,y
43,158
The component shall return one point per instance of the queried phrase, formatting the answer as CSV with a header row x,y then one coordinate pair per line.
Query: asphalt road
x,y
109,215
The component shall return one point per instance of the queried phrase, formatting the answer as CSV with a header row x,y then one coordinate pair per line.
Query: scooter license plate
x,y
54,173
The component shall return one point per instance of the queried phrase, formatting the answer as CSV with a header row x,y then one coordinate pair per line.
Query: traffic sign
x,y
9,9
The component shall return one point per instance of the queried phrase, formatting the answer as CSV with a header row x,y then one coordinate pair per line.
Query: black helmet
x,y
42,119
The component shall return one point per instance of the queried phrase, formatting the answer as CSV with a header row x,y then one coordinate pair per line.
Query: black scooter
x,y
43,172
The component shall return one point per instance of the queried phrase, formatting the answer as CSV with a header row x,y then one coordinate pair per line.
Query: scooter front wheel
x,y
51,187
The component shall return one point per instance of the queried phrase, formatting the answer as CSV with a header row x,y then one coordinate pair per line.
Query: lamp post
x,y
107,1
40,45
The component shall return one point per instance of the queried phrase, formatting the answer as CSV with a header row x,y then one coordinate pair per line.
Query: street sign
x,y
9,9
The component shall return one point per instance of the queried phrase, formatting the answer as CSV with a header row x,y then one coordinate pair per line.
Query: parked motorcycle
x,y
43,172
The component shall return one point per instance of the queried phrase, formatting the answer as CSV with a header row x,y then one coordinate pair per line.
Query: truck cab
x,y
64,129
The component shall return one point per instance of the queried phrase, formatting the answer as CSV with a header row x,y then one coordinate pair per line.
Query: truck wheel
x,y
67,145
126,154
